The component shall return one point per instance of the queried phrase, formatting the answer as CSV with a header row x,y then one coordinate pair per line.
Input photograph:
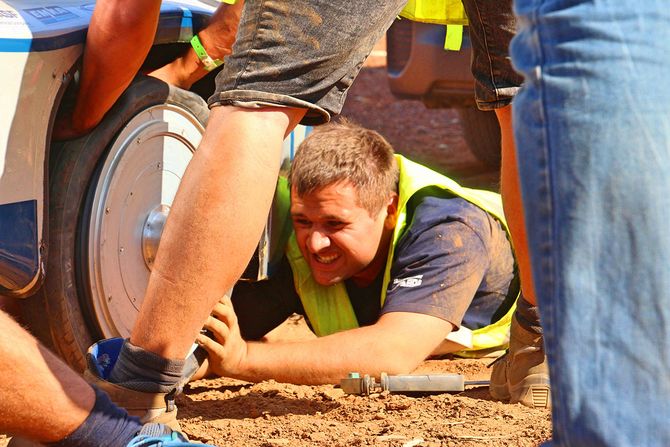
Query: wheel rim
x,y
131,200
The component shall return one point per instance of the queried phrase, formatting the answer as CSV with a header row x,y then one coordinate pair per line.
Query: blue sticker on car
x,y
51,14
19,248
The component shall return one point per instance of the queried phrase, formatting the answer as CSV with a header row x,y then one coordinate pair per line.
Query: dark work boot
x,y
521,375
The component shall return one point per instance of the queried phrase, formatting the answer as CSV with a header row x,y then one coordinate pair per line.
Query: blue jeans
x,y
592,128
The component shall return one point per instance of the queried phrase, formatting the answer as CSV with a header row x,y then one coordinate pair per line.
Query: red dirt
x,y
270,414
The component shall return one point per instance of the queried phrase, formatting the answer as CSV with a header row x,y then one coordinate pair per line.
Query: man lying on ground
x,y
387,258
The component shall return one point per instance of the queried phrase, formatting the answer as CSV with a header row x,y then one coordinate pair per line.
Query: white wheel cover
x,y
140,175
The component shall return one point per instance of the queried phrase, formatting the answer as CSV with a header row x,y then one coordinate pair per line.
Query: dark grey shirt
x,y
454,262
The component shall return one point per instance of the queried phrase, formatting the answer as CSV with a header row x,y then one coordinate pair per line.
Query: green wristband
x,y
209,63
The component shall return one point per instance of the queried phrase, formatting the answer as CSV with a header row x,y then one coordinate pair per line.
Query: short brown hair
x,y
340,151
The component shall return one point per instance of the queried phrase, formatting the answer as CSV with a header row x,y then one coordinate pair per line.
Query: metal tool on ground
x,y
430,383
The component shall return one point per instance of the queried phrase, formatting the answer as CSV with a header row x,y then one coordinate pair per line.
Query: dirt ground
x,y
232,413
228,412
269,414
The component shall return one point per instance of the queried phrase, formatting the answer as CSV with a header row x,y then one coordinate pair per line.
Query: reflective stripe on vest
x,y
442,12
329,309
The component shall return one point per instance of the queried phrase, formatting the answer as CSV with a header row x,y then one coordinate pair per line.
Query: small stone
x,y
318,437
332,394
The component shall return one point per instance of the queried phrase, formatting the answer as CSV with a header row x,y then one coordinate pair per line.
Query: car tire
x,y
104,189
482,135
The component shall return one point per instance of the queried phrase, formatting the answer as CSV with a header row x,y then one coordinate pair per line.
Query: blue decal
x,y
186,19
19,248
51,14
186,25
45,44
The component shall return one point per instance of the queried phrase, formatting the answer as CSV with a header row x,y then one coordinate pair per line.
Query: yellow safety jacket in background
x,y
329,308
444,12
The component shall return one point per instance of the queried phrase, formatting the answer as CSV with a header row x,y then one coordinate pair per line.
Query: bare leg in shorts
x,y
215,223
291,61
522,375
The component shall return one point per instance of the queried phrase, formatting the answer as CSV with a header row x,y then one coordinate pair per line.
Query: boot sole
x,y
533,391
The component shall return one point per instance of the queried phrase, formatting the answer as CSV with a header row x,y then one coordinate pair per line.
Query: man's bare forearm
x,y
387,347
219,36
118,40
217,39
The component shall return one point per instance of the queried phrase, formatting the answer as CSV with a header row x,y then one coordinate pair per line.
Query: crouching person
x,y
387,258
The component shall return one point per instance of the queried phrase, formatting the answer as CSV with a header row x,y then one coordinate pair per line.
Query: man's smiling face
x,y
338,238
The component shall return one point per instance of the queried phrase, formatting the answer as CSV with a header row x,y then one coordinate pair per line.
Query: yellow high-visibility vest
x,y
443,12
329,308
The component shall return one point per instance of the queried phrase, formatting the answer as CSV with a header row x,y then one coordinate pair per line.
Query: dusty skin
x,y
231,413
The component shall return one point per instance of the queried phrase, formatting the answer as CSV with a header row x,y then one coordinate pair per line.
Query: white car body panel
x,y
23,97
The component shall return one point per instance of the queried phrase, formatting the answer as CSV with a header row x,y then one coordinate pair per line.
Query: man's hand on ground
x,y
227,350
